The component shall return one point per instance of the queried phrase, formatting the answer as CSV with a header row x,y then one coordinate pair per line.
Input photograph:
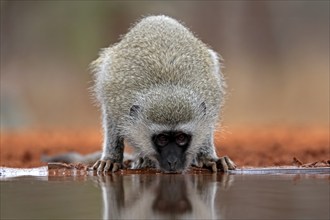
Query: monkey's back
x,y
158,51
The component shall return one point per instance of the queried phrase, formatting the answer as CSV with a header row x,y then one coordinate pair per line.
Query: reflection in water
x,y
171,197
155,196
161,196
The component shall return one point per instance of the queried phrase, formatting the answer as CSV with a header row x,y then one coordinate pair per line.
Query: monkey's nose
x,y
172,161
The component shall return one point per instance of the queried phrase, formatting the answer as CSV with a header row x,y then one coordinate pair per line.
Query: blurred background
x,y
276,57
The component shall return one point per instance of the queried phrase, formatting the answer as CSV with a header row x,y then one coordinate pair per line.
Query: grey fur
x,y
174,82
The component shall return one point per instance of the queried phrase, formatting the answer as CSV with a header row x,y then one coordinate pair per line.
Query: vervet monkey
x,y
161,90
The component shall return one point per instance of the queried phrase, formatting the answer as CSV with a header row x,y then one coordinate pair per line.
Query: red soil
x,y
246,147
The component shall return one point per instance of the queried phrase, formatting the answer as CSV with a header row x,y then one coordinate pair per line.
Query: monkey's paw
x,y
223,163
106,165
144,162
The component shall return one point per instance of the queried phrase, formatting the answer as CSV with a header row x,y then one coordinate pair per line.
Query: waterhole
x,y
33,193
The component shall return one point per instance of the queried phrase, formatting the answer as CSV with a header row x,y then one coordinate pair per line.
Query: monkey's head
x,y
171,147
169,128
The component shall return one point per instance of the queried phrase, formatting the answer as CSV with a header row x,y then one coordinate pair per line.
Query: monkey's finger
x,y
230,163
101,166
96,165
224,164
212,165
107,166
116,167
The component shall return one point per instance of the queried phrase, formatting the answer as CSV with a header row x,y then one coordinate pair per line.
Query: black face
x,y
171,147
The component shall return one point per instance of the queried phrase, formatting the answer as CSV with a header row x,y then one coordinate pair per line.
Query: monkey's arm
x,y
113,147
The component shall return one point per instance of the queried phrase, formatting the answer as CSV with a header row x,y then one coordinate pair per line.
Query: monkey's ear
x,y
134,111
202,106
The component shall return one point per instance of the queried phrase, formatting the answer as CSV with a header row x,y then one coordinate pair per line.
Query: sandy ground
x,y
246,147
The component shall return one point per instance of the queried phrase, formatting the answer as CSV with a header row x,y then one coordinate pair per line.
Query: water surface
x,y
161,196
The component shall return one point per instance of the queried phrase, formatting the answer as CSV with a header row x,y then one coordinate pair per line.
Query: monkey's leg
x,y
206,157
113,148
72,157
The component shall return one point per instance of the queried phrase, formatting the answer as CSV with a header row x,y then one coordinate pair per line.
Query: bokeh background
x,y
276,57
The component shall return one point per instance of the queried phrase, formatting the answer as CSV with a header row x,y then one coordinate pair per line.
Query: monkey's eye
x,y
162,140
181,139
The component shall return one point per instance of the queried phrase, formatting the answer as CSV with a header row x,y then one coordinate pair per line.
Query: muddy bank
x,y
247,147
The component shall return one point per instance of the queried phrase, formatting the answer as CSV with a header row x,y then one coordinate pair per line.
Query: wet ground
x,y
262,193
258,147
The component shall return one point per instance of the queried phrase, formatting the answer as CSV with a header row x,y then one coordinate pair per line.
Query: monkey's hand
x,y
223,163
105,165
143,162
